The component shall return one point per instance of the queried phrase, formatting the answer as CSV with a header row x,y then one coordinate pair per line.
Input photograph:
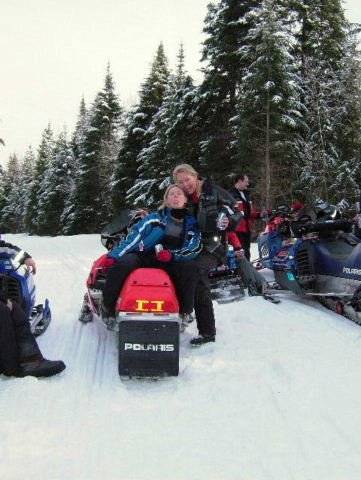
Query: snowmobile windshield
x,y
326,211
119,224
117,229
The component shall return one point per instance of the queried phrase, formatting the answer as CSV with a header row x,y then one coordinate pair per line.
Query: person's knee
x,y
128,262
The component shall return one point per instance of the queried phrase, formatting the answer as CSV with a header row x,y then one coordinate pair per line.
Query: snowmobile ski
x,y
227,290
271,298
40,318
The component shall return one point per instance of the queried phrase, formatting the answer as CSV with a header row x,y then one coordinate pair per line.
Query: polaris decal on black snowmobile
x,y
352,271
146,347
323,260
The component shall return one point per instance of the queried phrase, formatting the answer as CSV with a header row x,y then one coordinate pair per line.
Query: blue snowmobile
x,y
17,283
315,255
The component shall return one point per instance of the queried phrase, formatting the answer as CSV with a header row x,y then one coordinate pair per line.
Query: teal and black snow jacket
x,y
154,229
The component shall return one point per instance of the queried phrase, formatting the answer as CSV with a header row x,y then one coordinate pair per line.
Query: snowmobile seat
x,y
148,290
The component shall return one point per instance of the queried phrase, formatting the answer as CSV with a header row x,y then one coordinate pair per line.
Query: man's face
x,y
187,182
242,184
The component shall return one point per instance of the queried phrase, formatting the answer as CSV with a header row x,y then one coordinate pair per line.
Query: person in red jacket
x,y
241,194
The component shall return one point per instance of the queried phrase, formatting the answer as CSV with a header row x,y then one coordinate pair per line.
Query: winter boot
x,y
40,367
201,339
86,315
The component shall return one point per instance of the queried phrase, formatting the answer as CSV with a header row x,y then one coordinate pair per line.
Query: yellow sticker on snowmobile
x,y
149,305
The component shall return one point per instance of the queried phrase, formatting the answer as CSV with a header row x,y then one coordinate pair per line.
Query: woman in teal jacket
x,y
180,240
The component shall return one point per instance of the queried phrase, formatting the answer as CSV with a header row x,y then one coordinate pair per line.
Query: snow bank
x,y
276,397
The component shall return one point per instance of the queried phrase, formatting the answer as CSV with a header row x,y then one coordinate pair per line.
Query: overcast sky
x,y
55,51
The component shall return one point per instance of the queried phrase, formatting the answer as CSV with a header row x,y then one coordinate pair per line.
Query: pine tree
x,y
26,177
168,141
81,127
327,155
137,133
77,147
11,212
56,187
346,182
95,161
2,195
180,126
227,27
269,101
44,157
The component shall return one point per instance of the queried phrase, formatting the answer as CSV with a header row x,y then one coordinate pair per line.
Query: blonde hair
x,y
184,168
166,193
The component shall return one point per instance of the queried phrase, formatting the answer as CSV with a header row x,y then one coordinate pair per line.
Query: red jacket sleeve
x,y
233,239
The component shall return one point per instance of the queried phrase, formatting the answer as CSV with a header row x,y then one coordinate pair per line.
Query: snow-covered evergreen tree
x,y
346,183
90,209
11,218
226,27
81,127
169,142
26,177
328,149
43,160
55,189
270,111
137,132
2,194
77,143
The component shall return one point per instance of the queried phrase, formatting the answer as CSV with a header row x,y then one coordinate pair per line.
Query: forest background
x,y
279,99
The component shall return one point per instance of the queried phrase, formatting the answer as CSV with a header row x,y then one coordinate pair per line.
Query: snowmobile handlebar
x,y
321,226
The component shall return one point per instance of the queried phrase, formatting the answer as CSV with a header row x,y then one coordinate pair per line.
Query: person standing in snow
x,y
177,233
214,209
244,204
20,355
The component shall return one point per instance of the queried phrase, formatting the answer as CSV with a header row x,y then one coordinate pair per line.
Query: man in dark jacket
x,y
213,208
20,355
243,230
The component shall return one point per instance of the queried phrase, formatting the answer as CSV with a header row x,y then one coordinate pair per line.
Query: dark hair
x,y
239,176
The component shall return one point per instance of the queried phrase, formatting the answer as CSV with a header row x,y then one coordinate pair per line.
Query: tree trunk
x,y
267,157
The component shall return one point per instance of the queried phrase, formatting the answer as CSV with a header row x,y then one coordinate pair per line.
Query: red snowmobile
x,y
147,313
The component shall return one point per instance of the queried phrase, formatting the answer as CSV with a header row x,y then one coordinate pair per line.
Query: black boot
x,y
201,339
40,368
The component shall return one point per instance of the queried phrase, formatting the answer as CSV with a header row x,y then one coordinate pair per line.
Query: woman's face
x,y
176,198
187,182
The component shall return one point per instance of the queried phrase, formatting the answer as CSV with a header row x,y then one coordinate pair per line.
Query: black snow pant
x,y
203,306
17,343
183,274
245,239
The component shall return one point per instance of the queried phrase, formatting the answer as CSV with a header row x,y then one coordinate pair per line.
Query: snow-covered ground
x,y
277,397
